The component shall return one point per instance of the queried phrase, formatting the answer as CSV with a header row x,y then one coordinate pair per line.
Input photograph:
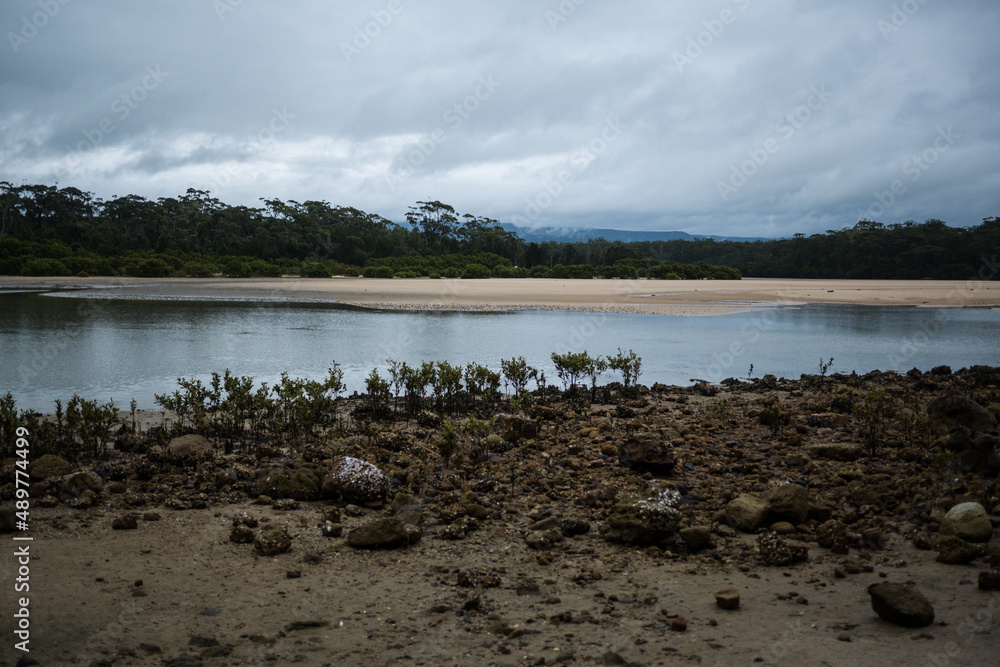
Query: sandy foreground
x,y
682,297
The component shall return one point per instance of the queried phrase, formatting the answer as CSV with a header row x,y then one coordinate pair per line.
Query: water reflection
x,y
53,347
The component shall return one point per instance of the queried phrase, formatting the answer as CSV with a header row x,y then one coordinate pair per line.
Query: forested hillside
x,y
46,230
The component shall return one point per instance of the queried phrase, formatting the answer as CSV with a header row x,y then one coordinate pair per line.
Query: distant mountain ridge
x,y
573,235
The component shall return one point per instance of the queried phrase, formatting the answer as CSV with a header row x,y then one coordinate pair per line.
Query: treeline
x,y
46,230
868,250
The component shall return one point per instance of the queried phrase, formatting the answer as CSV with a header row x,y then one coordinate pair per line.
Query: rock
x,y
836,451
968,521
647,521
47,467
989,580
542,540
241,534
547,523
788,502
356,481
956,410
245,519
574,527
956,551
679,624
697,538
272,540
75,485
728,598
647,455
514,428
901,605
127,521
8,520
413,533
183,660
381,533
773,550
746,513
150,516
331,529
782,528
190,446
290,482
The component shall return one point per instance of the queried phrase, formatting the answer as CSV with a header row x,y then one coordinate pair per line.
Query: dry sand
x,y
682,297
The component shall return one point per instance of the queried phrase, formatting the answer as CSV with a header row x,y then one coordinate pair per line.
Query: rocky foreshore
x,y
604,527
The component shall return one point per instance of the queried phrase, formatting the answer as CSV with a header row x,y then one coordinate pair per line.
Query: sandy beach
x,y
681,297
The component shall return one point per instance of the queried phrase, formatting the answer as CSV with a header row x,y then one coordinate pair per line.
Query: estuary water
x,y
52,347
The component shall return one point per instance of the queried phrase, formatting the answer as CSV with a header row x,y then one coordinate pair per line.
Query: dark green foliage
x,y
629,365
876,410
475,271
773,416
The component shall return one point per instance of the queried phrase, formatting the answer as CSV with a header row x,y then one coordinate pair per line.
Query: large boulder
x,y
48,466
954,410
298,482
968,521
647,455
975,452
190,446
356,481
788,502
747,512
75,485
383,533
901,604
646,521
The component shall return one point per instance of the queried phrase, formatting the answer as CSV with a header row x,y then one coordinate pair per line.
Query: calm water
x,y
51,347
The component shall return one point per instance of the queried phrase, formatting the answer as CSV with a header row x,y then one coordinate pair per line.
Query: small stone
x,y
844,637
381,533
728,598
293,574
902,605
241,534
332,529
989,581
955,551
679,624
125,522
150,516
782,528
697,538
272,540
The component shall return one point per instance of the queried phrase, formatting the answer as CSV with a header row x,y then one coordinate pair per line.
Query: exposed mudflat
x,y
472,591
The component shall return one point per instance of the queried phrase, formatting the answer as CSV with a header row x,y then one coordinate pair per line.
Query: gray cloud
x,y
731,117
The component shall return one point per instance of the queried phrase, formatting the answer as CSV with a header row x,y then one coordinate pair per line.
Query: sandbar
x,y
671,297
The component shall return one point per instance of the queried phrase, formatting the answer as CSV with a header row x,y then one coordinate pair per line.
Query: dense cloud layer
x,y
738,117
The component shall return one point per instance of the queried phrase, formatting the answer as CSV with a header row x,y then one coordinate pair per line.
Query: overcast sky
x,y
733,117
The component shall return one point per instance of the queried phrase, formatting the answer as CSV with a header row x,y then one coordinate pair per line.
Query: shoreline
x,y
680,297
